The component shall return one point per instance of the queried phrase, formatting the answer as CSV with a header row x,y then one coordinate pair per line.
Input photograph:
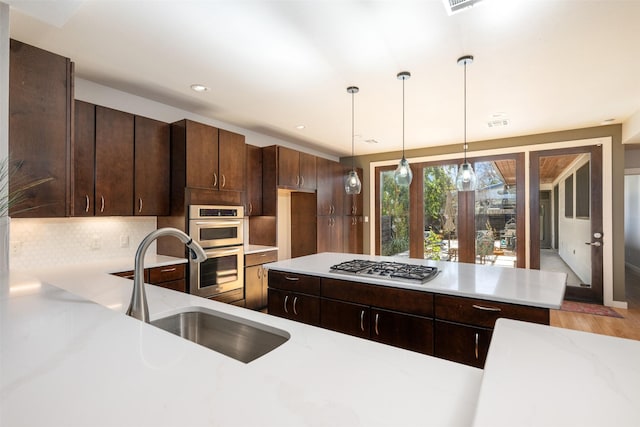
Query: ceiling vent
x,y
498,123
455,6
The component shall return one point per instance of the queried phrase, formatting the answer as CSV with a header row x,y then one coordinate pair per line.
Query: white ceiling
x,y
273,64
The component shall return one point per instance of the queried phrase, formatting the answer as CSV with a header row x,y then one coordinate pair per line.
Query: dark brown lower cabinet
x,y
345,317
402,330
291,305
462,343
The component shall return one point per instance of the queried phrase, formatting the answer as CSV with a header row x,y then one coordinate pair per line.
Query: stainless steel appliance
x,y
219,230
410,273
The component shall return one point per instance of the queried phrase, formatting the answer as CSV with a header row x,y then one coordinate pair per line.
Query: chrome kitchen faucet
x,y
138,306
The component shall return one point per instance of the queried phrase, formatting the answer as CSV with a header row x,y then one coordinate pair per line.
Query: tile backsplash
x,y
47,242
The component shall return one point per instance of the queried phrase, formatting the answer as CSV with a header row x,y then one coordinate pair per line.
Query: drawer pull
x,y
86,208
477,345
286,298
259,273
377,317
139,204
215,179
224,181
301,181
362,320
292,279
101,203
483,308
168,270
295,301
263,254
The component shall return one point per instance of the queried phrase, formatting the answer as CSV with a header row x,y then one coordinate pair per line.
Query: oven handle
x,y
221,252
219,223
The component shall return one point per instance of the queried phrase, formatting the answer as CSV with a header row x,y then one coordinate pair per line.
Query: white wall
x,y
574,232
632,221
4,82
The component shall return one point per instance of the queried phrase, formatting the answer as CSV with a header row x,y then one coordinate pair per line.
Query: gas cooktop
x,y
411,273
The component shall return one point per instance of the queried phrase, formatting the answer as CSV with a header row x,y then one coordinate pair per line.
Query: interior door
x,y
575,174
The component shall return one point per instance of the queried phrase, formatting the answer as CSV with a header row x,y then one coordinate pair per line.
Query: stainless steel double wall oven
x,y
219,230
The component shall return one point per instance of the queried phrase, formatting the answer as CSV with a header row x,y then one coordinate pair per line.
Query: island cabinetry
x,y
256,280
40,106
295,297
464,326
398,317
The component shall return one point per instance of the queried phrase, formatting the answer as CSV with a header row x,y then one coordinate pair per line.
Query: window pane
x,y
394,216
440,212
495,218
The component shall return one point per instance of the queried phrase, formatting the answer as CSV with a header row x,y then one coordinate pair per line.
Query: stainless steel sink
x,y
241,339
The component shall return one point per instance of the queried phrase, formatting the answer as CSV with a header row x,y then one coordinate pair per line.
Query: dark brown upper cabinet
x,y
40,106
152,167
114,162
253,202
206,157
83,160
296,170
330,187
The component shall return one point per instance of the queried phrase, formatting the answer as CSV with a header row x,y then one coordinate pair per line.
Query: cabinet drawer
x,y
485,313
294,282
461,343
179,285
405,300
166,273
260,258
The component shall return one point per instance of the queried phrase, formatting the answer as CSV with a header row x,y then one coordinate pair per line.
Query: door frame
x,y
595,292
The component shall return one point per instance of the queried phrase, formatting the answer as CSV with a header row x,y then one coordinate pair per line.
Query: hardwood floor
x,y
629,327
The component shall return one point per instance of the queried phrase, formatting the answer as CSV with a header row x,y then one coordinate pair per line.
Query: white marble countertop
x,y
545,376
512,285
254,249
70,357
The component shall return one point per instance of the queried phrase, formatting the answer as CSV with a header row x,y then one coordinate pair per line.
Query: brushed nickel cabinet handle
x,y
224,181
362,320
86,207
168,270
250,208
483,308
297,180
259,273
292,279
286,298
101,203
302,181
295,301
476,346
377,318
215,179
139,204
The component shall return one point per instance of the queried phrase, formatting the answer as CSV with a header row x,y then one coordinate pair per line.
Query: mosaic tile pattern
x,y
54,241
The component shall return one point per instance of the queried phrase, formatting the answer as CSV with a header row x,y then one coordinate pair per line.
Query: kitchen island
x,y
70,357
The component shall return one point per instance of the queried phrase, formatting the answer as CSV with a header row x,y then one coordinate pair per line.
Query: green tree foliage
x,y
394,206
438,181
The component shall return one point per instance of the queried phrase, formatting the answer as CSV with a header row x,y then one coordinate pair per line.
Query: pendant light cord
x,y
465,112
403,117
353,161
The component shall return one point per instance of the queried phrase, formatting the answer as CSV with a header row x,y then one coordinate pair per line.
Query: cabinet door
x,y
462,344
231,158
265,288
114,162
253,286
323,234
353,204
39,128
337,234
254,181
325,186
345,317
353,229
402,330
307,171
338,175
152,164
294,306
84,145
288,168
201,156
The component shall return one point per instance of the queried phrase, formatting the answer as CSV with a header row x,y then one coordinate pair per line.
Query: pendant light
x,y
466,179
352,184
403,174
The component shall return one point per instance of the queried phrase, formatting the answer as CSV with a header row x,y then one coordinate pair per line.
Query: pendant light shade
x,y
466,179
352,184
403,174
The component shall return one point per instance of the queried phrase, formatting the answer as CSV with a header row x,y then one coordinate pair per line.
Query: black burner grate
x,y
394,270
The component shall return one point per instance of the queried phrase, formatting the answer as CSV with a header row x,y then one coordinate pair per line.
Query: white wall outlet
x,y
124,241
96,242
366,218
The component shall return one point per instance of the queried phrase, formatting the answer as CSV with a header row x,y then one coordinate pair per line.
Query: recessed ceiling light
x,y
300,127
199,88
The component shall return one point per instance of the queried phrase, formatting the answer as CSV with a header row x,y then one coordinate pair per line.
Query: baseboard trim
x,y
618,304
